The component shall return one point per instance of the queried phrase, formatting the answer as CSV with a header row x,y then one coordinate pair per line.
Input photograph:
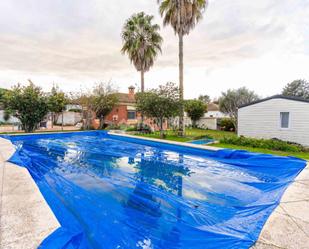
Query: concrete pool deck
x,y
26,219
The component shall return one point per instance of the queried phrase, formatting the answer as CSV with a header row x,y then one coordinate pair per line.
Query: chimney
x,y
131,91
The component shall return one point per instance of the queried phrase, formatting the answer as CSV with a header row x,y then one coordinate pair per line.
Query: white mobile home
x,y
285,118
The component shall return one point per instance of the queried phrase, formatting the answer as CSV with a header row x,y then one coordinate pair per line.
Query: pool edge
x,y
270,237
286,226
25,217
183,144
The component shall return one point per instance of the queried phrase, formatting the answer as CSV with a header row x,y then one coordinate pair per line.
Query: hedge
x,y
272,144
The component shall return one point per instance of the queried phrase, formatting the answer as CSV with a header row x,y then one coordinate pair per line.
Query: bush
x,y
272,144
75,110
131,128
28,104
226,124
141,127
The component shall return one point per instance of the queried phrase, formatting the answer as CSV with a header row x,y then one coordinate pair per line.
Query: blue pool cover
x,y
110,191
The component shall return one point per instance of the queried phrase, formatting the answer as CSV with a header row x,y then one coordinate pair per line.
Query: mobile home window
x,y
284,119
131,115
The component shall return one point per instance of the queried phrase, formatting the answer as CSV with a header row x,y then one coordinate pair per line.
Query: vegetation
x,y
227,124
232,99
75,110
225,136
160,104
142,42
104,100
303,155
3,92
297,88
28,104
182,15
56,102
191,134
98,102
205,98
195,109
272,144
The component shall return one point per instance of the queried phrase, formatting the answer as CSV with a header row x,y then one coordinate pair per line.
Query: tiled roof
x,y
126,98
212,107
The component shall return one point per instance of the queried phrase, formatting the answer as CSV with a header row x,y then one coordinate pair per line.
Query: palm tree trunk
x,y
142,81
142,89
181,90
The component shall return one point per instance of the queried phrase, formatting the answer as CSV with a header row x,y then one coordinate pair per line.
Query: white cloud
x,y
261,45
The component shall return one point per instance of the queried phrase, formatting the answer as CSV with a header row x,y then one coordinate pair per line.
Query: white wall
x,y
215,114
11,119
206,123
69,118
209,123
262,120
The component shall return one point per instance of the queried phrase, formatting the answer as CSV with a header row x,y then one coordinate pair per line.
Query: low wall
x,y
69,118
209,123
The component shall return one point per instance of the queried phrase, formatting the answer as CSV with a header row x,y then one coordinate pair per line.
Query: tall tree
x,y
104,100
56,102
233,98
297,88
182,15
205,98
141,42
160,104
28,104
195,109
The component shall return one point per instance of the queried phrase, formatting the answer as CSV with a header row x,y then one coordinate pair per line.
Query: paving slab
x,y
299,209
296,192
281,231
288,225
25,217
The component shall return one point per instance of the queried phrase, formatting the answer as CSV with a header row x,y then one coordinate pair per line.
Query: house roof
x,y
212,107
276,97
126,98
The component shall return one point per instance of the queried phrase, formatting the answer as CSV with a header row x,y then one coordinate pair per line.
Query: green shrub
x,y
226,124
272,144
75,110
131,128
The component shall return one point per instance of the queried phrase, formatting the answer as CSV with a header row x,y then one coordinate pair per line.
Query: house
x,y
285,118
213,111
208,121
125,111
212,117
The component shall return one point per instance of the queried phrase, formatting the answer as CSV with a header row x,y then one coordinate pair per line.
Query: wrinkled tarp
x,y
118,192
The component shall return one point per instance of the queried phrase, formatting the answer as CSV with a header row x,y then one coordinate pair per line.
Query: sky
x,y
76,44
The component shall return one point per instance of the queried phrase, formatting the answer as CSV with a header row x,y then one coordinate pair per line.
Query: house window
x,y
131,114
284,119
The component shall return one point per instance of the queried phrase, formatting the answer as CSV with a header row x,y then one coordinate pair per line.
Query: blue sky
x,y
76,43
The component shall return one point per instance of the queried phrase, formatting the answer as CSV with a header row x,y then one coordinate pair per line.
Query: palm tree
x,y
142,42
182,15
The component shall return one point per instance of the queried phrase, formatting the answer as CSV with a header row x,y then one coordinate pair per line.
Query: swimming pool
x,y
202,141
116,192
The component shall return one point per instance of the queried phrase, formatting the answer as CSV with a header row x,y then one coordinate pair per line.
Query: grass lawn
x,y
192,134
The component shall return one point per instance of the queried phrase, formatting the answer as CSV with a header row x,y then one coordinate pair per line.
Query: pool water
x,y
202,141
116,192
